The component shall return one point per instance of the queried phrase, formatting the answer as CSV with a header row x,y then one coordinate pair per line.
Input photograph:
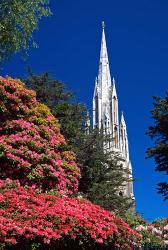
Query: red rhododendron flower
x,y
46,218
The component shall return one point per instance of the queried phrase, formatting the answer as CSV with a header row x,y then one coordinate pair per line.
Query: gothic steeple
x,y
106,115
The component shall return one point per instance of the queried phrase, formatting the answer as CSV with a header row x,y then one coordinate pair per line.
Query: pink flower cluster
x,y
15,99
158,230
161,226
47,218
30,140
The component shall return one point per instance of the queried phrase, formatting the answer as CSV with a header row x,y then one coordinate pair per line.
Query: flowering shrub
x,y
160,228
38,177
32,149
154,235
151,236
46,219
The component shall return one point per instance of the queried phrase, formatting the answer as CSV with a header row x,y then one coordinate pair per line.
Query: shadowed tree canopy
x,y
55,95
159,132
19,19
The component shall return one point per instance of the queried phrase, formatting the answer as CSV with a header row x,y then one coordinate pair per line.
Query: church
x,y
106,116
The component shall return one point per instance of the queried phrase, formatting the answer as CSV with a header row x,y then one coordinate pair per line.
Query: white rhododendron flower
x,y
157,231
166,242
141,228
166,227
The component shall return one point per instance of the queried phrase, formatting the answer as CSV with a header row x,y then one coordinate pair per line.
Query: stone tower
x,y
106,115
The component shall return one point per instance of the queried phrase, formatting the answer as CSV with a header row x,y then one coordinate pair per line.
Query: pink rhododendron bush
x,y
38,177
31,146
50,220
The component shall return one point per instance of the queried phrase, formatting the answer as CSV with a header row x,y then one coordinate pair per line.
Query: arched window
x,y
105,124
125,147
125,143
96,111
116,136
120,193
105,127
114,103
111,115
122,138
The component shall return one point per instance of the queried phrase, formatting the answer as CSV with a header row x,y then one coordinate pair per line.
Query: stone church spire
x,y
106,115
101,107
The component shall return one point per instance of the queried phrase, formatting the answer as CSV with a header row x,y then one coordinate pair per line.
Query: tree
x,y
19,19
54,94
48,91
102,174
159,132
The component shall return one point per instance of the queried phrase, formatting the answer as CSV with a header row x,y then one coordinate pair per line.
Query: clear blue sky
x,y
137,40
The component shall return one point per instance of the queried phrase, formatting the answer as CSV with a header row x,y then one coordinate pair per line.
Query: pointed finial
x,y
122,117
103,25
114,88
96,82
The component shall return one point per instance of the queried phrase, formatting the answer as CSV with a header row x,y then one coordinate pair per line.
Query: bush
x,y
154,235
32,217
32,149
38,178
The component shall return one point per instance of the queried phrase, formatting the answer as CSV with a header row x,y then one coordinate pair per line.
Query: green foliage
x,y
48,91
134,219
54,94
159,132
19,19
99,183
72,117
102,175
